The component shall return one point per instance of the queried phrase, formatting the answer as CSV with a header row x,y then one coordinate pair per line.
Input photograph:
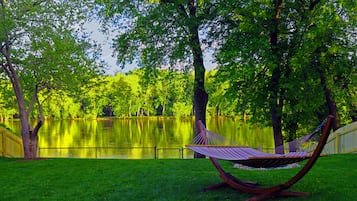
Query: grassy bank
x,y
332,178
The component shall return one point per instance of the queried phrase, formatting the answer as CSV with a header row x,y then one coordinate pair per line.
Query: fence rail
x,y
116,152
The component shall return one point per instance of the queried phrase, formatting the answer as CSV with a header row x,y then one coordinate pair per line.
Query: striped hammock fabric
x,y
248,156
236,153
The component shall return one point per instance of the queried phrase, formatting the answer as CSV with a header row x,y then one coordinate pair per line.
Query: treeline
x,y
158,93
137,93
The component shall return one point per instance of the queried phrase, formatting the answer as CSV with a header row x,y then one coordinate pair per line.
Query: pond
x,y
136,138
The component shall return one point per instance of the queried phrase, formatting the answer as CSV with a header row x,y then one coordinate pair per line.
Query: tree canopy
x,y
287,60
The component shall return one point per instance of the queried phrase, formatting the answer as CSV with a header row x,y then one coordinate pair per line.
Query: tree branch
x,y
41,118
9,70
33,100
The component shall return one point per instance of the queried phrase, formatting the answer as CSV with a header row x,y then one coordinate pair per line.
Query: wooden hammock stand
x,y
277,190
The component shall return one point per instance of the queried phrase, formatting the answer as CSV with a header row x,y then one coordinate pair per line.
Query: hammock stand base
x,y
249,186
262,196
263,193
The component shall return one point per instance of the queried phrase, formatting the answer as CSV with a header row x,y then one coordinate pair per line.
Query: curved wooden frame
x,y
277,190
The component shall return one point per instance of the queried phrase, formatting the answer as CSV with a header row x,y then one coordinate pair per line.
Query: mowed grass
x,y
332,178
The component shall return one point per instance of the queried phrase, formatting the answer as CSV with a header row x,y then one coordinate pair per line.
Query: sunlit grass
x,y
332,178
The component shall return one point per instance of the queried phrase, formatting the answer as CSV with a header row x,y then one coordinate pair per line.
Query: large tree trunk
x,y
30,142
276,113
29,136
274,100
200,95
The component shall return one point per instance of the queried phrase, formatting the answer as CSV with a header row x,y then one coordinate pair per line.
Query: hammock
x,y
248,156
236,153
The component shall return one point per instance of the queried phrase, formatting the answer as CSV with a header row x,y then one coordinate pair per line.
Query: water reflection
x,y
137,137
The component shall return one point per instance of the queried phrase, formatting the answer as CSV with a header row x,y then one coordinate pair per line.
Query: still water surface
x,y
137,137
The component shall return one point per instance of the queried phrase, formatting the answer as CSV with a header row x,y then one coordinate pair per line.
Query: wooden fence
x,y
10,144
343,140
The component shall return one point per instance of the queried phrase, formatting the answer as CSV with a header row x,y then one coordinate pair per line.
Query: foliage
x,y
7,100
42,50
314,40
153,33
129,95
122,95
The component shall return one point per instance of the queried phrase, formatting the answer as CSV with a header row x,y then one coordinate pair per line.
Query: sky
x,y
107,51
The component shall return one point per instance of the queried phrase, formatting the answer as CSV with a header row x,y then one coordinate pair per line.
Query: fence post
x,y
4,136
155,152
2,144
340,142
337,143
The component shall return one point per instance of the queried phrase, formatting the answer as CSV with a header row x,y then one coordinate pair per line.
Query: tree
x,y
164,34
120,95
94,98
134,102
41,50
58,104
275,53
219,103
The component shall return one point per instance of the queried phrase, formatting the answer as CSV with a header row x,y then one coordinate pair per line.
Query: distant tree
x,y
120,95
219,103
41,50
94,98
59,104
134,101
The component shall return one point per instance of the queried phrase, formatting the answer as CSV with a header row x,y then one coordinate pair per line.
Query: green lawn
x,y
332,178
